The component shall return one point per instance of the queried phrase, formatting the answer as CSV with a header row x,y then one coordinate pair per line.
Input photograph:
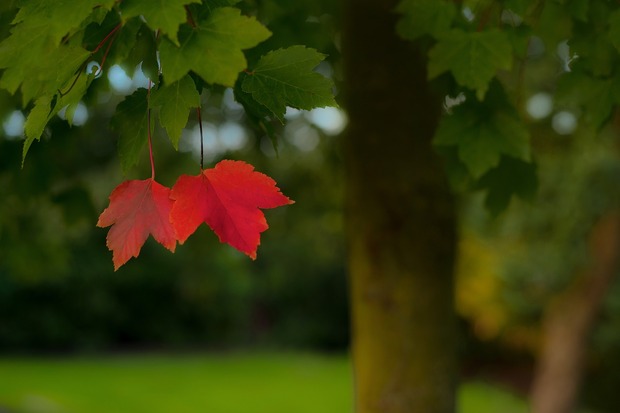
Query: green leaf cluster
x,y
486,50
182,46
488,147
472,57
468,55
41,54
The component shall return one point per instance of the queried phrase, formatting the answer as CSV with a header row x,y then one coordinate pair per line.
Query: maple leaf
x,y
160,14
484,131
175,101
472,58
46,107
214,48
131,122
512,177
285,77
227,198
55,18
35,41
137,208
422,17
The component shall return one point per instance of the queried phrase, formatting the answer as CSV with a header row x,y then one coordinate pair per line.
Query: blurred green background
x,y
206,329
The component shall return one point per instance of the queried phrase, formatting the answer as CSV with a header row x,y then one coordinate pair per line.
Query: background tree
x,y
487,49
400,218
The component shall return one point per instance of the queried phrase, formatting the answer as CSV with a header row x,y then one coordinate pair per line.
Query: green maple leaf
x,y
47,106
285,77
19,56
422,17
145,51
33,56
213,49
175,102
473,58
594,96
55,18
26,56
67,62
257,114
21,44
164,15
38,117
483,136
512,177
130,121
130,45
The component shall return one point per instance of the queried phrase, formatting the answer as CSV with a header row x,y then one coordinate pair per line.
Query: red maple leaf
x,y
137,208
227,198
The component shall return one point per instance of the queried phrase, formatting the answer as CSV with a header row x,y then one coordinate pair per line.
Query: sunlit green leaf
x,y
48,106
20,56
27,64
36,121
285,77
54,18
213,49
164,15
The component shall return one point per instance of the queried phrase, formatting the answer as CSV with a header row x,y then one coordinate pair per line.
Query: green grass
x,y
237,383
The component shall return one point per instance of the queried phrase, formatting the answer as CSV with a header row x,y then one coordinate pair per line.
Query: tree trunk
x,y
400,222
570,320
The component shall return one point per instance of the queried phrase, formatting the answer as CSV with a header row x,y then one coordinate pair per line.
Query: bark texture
x,y
570,320
400,222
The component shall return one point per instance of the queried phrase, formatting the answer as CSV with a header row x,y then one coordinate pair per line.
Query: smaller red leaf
x,y
227,198
137,208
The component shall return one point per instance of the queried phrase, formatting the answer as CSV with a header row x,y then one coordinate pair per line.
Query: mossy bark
x,y
400,222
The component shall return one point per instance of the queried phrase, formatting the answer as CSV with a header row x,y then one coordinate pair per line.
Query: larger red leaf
x,y
137,208
227,198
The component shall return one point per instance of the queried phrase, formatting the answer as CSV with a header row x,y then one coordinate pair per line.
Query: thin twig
x,y
190,18
83,65
201,139
148,123
105,39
